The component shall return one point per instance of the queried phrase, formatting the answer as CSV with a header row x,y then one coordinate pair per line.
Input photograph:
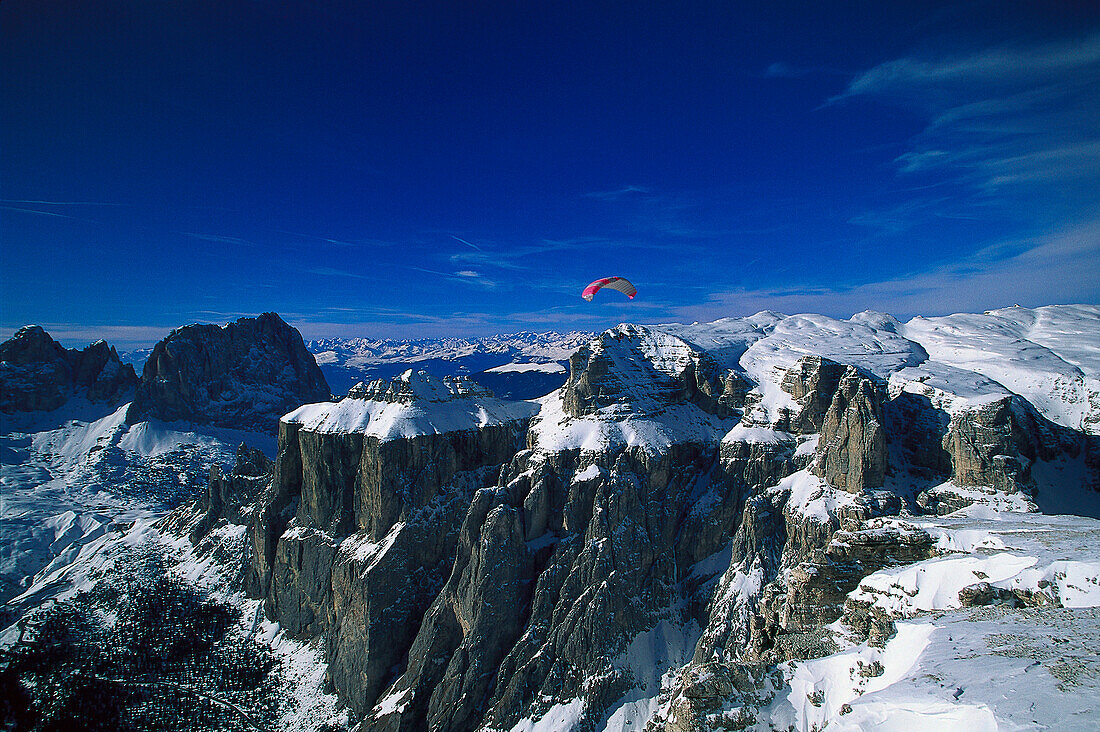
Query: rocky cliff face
x,y
578,547
659,544
852,447
357,532
244,375
37,373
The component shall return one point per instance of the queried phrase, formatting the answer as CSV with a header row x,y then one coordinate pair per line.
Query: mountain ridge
x,y
757,523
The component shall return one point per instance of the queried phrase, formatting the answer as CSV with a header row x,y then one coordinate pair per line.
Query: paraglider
x,y
615,283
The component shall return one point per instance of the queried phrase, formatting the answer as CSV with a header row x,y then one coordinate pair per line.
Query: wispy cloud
x,y
343,243
57,203
30,209
1002,67
221,239
910,214
519,257
617,193
463,241
1000,118
1057,268
469,276
333,272
464,276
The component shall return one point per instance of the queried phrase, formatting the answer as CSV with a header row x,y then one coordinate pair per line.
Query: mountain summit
x,y
245,375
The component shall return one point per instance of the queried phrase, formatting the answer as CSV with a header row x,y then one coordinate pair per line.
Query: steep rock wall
x,y
356,535
245,375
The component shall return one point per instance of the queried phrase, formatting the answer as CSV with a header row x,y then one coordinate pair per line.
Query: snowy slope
x,y
1050,356
964,669
416,404
960,362
636,374
70,482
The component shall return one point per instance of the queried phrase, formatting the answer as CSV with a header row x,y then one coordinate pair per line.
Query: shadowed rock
x,y
37,373
852,448
243,375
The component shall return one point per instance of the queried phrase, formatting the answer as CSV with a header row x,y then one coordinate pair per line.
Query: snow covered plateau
x,y
763,523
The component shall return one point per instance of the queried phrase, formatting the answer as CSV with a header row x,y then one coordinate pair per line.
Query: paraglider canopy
x,y
615,283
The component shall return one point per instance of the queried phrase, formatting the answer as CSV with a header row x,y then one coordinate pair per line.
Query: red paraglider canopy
x,y
615,283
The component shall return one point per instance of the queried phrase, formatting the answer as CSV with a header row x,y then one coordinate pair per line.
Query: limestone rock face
x,y
817,588
357,533
812,381
37,373
244,375
215,523
632,369
852,449
558,568
995,445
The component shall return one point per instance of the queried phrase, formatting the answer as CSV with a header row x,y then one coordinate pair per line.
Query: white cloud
x,y
998,66
333,272
1002,119
1057,268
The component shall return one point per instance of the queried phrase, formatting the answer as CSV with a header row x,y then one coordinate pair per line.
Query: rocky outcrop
x,y
37,373
852,448
812,381
817,588
605,374
215,522
231,498
713,695
558,569
995,444
244,375
993,447
357,532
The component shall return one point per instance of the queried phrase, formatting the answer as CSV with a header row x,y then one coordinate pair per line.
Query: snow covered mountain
x,y
772,522
516,366
85,476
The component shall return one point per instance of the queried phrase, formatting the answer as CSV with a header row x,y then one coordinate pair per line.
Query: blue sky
x,y
408,169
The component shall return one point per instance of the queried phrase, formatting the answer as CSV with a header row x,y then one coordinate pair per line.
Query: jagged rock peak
x,y
852,448
30,344
633,369
244,374
418,386
812,381
37,373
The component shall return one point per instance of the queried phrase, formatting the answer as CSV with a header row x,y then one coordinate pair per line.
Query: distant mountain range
x,y
514,366
347,361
